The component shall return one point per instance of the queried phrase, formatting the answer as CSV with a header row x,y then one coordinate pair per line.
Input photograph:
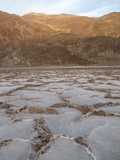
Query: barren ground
x,y
60,114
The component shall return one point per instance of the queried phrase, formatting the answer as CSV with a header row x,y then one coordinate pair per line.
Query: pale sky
x,y
79,7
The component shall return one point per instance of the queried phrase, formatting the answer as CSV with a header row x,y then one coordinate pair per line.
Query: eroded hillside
x,y
38,39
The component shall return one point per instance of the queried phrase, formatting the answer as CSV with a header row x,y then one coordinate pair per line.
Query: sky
x,y
92,8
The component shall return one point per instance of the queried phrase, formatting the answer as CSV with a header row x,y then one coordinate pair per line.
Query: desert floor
x,y
60,114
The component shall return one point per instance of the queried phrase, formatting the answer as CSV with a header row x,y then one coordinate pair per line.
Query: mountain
x,y
78,25
39,39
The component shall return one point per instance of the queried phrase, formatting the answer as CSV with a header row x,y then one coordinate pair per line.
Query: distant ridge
x,y
39,39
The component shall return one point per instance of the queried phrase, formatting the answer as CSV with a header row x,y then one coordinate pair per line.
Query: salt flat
x,y
60,113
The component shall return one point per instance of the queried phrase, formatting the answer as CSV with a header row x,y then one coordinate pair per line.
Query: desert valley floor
x,y
60,114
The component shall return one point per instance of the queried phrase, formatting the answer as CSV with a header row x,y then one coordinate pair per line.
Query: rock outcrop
x,y
39,39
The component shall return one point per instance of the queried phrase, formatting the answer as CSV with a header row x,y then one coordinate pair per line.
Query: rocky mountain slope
x,y
40,39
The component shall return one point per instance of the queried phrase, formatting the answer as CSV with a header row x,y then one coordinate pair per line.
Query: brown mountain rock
x,y
38,39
